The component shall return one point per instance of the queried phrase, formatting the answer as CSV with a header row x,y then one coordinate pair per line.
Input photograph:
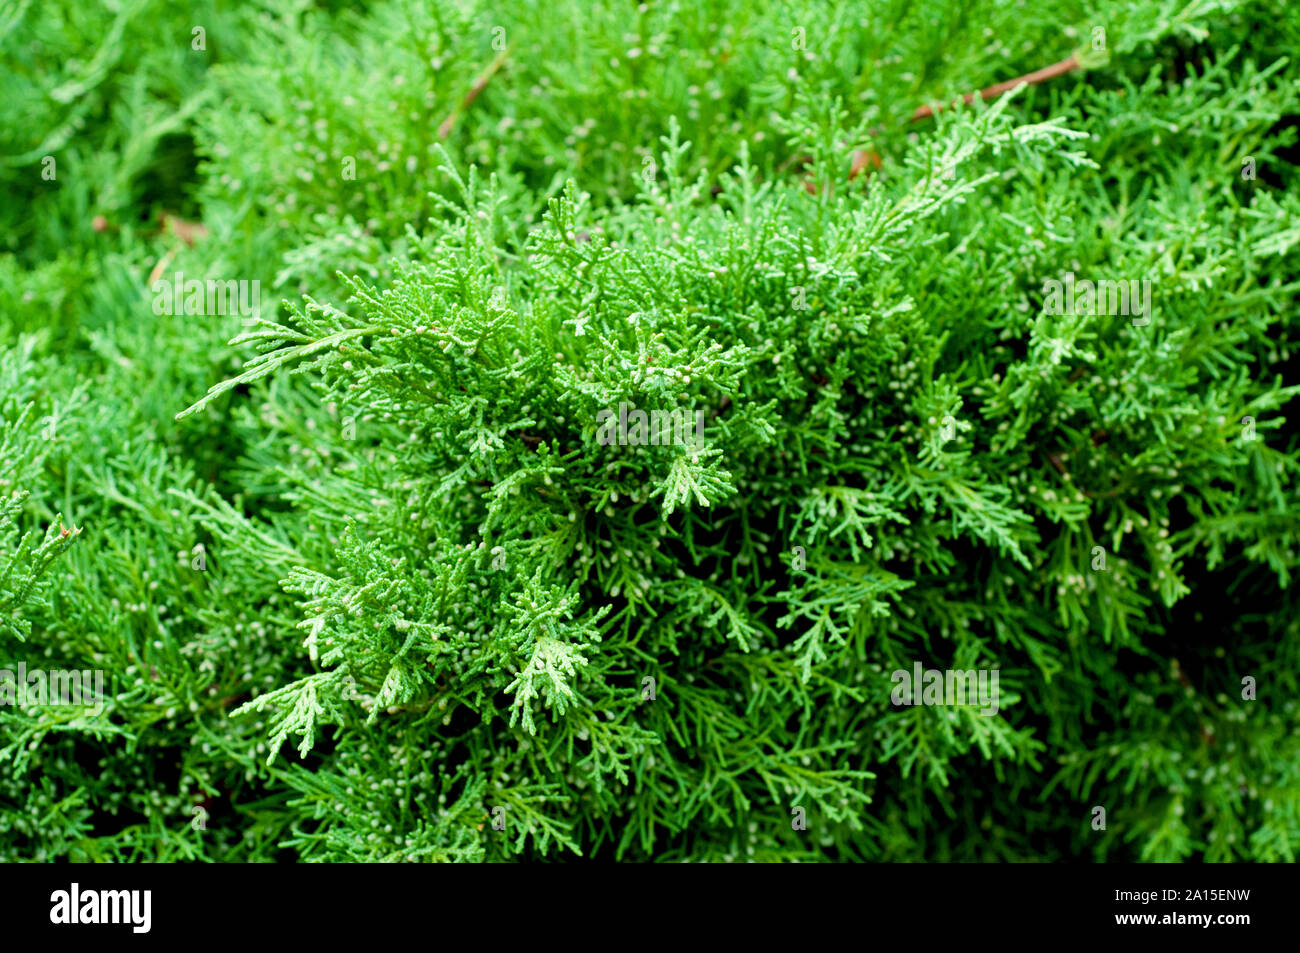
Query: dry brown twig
x,y
1032,79
177,227
480,84
862,158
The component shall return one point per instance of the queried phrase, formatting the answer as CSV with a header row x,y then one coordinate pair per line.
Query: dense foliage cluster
x,y
367,581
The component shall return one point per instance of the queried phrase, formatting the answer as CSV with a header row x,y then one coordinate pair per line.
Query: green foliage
x,y
365,574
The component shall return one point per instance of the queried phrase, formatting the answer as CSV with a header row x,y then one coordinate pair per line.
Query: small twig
x,y
159,268
176,227
862,157
188,232
1038,76
480,84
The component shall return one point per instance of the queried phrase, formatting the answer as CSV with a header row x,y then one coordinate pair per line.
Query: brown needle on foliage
x,y
479,85
862,158
1038,76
